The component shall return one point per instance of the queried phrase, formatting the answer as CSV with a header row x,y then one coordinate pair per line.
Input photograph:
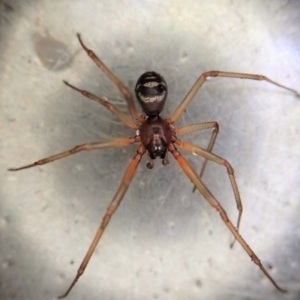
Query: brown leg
x,y
126,120
201,126
120,142
210,156
123,89
192,175
110,211
191,94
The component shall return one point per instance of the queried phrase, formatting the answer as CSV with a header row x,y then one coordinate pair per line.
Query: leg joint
x,y
222,212
216,127
229,167
211,74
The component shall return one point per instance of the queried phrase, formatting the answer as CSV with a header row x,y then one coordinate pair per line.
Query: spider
x,y
157,137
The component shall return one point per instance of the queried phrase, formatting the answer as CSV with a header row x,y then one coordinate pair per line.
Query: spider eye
x,y
151,91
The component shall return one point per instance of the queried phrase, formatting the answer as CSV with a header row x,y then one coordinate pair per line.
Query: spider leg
x,y
120,142
203,77
131,169
192,175
201,126
123,89
210,156
124,118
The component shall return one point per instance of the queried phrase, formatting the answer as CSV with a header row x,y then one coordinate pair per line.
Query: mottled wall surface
x,y
164,242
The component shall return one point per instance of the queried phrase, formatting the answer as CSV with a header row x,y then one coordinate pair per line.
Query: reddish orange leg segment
x,y
124,118
129,173
201,126
203,77
210,156
120,142
193,176
123,89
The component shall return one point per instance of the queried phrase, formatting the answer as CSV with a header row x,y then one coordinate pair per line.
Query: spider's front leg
x,y
192,175
127,178
221,161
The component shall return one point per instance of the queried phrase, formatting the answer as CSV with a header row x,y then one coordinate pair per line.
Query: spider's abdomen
x,y
151,91
156,136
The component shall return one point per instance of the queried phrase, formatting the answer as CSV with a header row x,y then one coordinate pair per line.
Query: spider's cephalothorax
x,y
151,91
156,136
155,132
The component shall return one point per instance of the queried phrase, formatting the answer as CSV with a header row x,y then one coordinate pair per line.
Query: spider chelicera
x,y
157,137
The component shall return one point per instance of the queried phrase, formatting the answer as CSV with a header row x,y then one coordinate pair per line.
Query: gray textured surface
x,y
164,242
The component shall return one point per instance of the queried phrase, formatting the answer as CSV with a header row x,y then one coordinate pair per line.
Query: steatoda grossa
x,y
157,137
